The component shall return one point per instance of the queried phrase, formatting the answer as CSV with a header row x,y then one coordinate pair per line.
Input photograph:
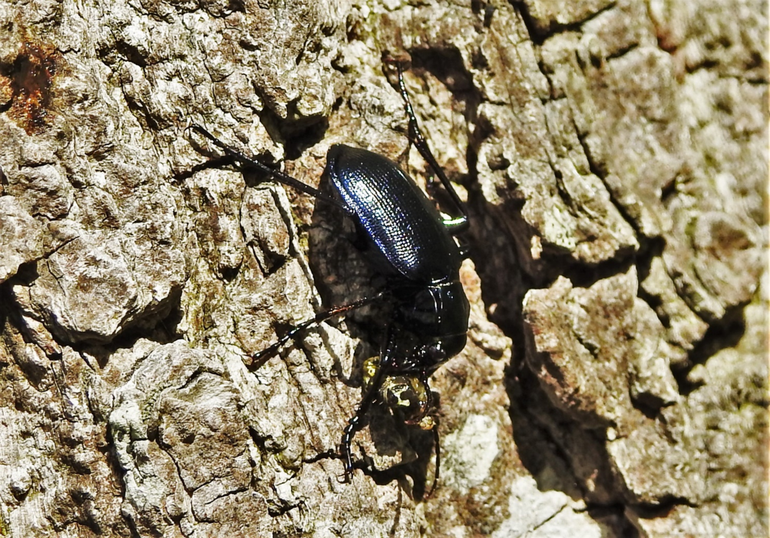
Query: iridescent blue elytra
x,y
397,215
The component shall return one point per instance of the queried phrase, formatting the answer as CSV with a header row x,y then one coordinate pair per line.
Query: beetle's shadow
x,y
343,275
391,435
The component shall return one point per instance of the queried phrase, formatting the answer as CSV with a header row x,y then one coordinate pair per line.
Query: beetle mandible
x,y
415,250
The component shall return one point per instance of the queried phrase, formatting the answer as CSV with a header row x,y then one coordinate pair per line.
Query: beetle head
x,y
406,395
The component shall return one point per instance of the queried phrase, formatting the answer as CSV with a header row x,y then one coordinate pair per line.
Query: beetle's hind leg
x,y
455,224
277,175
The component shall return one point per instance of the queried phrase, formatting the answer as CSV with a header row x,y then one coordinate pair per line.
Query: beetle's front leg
x,y
355,423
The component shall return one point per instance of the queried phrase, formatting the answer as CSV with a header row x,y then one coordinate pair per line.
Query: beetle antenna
x,y
437,444
434,422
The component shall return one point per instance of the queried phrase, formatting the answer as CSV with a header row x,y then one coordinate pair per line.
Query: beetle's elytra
x,y
415,249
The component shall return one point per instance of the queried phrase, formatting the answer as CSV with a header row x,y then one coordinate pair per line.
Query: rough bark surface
x,y
614,158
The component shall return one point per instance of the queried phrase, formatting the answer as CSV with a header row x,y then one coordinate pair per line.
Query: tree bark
x,y
613,156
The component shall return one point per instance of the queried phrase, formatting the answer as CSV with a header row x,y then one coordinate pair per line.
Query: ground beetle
x,y
415,250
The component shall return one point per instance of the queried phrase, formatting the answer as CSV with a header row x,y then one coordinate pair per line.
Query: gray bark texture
x,y
614,159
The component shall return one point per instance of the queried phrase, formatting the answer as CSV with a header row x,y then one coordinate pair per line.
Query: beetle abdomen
x,y
396,214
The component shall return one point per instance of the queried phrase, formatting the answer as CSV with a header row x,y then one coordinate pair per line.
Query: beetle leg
x,y
455,225
275,174
355,423
429,422
434,426
437,444
258,359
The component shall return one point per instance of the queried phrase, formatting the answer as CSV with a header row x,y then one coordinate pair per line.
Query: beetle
x,y
415,249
